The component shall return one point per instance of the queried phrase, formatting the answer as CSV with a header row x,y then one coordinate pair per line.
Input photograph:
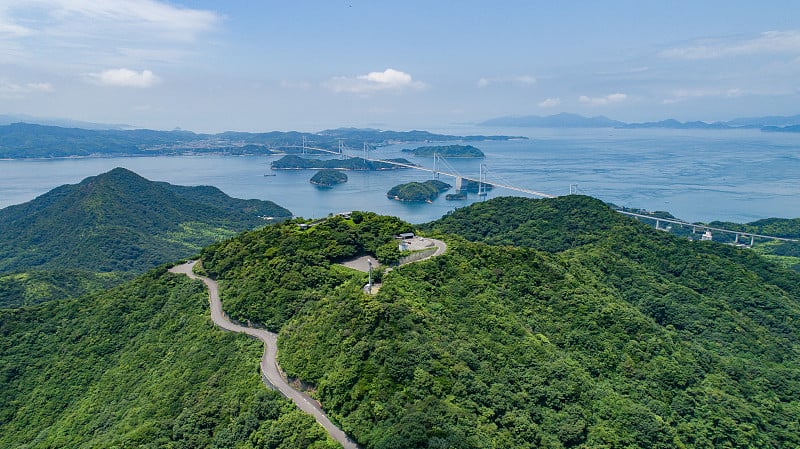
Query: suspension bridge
x,y
436,171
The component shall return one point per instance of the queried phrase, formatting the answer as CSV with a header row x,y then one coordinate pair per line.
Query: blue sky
x,y
310,65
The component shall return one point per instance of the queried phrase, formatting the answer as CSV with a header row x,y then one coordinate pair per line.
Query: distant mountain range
x,y
7,119
566,120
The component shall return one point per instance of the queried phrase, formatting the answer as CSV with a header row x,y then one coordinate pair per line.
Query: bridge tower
x,y
481,181
435,169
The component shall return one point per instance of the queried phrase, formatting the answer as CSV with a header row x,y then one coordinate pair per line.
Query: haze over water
x,y
697,175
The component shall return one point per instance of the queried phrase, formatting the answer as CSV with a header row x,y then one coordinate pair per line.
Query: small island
x,y
453,151
328,178
418,192
460,196
292,162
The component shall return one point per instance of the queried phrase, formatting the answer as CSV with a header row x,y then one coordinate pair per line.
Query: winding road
x,y
271,371
269,363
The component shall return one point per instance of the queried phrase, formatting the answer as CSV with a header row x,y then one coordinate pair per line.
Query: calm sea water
x,y
697,175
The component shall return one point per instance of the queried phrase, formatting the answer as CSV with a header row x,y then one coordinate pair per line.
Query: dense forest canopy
x,y
562,324
447,151
328,178
139,366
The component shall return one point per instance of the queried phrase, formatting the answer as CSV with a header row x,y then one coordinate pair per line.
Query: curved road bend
x,y
269,363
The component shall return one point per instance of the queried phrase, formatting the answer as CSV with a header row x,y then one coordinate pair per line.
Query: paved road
x,y
269,363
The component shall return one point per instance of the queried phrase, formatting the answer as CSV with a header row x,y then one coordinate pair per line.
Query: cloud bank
x,y
769,42
520,80
125,78
601,101
11,90
108,32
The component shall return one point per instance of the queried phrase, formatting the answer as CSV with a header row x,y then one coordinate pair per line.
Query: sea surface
x,y
697,175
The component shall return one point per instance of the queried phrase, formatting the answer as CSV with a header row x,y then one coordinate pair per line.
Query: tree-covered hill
x,y
138,366
546,225
418,191
784,252
453,151
574,327
328,178
116,222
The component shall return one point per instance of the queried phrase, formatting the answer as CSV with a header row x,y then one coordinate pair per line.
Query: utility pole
x,y
369,283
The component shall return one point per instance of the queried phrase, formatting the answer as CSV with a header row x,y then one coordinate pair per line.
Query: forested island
x,y
418,191
292,162
454,151
328,178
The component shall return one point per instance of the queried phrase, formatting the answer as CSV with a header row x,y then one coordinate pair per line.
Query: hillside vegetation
x,y
453,151
138,366
328,178
784,253
111,227
572,327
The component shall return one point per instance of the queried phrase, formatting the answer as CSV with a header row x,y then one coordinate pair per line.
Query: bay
x,y
697,175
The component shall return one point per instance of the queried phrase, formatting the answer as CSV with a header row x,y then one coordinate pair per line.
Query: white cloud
x,y
550,102
769,42
600,101
519,80
388,80
125,78
16,90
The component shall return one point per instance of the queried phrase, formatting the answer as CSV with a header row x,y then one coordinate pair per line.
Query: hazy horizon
x,y
208,66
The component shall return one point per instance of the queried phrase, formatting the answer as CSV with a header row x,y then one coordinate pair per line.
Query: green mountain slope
x,y
117,222
138,366
616,335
